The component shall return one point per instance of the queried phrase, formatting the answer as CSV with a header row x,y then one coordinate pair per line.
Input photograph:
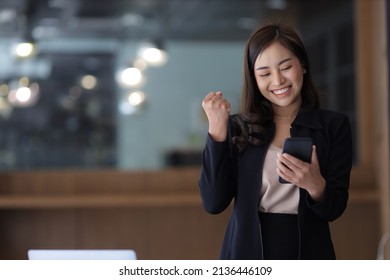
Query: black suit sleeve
x,y
217,183
337,173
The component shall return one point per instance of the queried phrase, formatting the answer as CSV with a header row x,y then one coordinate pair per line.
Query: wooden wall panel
x,y
157,213
167,233
356,232
28,229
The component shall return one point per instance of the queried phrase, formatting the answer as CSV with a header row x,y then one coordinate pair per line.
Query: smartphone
x,y
299,147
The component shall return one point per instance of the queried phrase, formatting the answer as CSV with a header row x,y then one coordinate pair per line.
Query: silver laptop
x,y
55,254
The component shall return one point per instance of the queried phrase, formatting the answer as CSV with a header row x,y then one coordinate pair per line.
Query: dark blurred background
x,y
75,109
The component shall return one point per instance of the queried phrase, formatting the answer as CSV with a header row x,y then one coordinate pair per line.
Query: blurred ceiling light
x,y
136,98
34,88
132,104
154,56
131,76
24,49
4,89
23,96
88,82
154,53
24,82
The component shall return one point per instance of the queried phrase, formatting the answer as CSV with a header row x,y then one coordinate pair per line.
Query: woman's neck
x,y
287,112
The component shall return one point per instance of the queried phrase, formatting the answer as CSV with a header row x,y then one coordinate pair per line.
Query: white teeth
x,y
280,91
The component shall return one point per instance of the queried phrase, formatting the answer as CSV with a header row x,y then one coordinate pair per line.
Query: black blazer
x,y
227,175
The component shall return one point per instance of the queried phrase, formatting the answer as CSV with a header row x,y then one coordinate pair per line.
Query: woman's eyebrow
x,y
280,62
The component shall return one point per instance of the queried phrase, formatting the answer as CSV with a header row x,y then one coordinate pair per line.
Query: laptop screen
x,y
55,254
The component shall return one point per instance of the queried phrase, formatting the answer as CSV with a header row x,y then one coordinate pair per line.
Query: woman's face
x,y
279,76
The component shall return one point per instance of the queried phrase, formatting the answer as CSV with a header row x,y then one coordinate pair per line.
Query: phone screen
x,y
299,147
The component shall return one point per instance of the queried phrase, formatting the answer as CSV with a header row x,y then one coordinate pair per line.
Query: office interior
x,y
100,145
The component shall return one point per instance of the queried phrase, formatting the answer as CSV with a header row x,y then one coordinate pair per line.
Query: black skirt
x,y
280,236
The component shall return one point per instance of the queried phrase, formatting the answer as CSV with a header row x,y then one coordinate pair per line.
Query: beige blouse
x,y
274,196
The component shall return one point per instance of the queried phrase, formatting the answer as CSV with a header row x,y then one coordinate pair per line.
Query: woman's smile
x,y
282,91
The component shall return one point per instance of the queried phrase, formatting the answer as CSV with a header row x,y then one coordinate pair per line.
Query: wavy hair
x,y
256,110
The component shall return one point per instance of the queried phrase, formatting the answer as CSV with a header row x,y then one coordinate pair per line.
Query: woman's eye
x,y
264,75
286,68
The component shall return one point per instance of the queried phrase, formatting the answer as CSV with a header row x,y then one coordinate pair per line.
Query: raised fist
x,y
217,109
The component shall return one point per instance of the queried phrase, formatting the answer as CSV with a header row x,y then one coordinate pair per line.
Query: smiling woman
x,y
279,102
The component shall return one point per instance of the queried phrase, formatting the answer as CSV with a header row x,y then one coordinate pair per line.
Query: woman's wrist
x,y
320,191
218,135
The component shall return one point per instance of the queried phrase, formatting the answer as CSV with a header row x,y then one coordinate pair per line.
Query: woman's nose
x,y
278,78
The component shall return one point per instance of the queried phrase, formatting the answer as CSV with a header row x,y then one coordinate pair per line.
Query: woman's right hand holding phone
x,y
217,109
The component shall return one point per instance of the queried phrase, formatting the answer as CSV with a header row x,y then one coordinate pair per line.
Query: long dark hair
x,y
256,110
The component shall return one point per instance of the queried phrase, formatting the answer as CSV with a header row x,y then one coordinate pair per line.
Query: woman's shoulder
x,y
331,114
322,114
332,120
328,112
321,118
